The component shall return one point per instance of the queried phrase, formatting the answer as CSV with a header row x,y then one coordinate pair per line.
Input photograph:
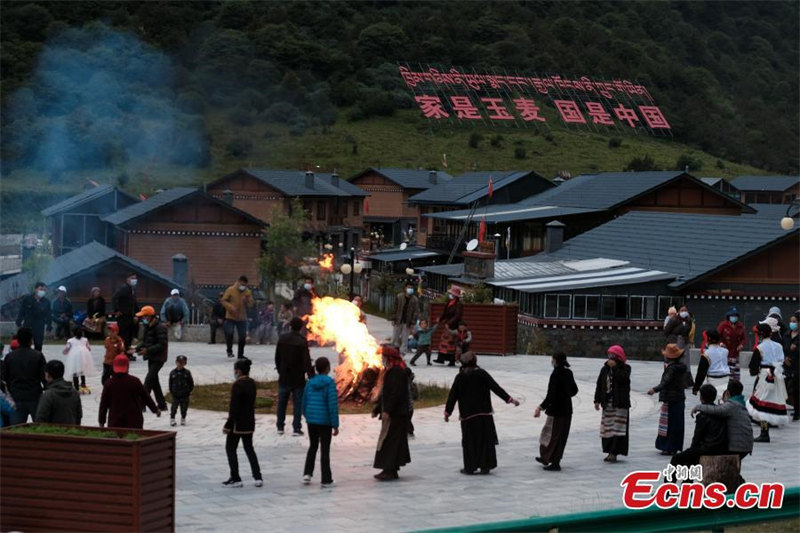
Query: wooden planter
x,y
66,483
493,327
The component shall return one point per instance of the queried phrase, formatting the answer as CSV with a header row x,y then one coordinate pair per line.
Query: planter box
x,y
493,327
66,483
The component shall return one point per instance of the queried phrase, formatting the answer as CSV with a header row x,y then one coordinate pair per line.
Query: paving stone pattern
x,y
431,492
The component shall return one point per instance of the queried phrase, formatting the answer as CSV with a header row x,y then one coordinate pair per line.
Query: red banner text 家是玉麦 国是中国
x,y
460,96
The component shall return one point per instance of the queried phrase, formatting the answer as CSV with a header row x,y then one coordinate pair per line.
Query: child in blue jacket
x,y
321,409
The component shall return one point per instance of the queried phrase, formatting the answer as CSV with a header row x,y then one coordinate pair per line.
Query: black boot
x,y
764,437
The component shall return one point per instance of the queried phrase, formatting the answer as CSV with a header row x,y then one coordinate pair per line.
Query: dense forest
x,y
97,84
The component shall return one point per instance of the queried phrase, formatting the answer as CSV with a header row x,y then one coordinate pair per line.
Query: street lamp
x,y
352,269
410,271
787,222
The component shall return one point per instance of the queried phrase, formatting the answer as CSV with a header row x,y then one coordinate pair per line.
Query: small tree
x,y
37,265
285,249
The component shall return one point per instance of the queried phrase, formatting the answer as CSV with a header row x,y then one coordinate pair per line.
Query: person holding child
x,y
321,409
181,385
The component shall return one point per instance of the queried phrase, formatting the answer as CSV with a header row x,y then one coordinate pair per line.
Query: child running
x,y
181,385
78,361
114,346
321,409
423,335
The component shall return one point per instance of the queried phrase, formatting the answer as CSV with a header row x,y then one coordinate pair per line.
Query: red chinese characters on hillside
x,y
526,109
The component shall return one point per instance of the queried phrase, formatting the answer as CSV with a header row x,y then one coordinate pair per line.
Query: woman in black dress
x,y
241,424
613,395
392,407
478,434
557,405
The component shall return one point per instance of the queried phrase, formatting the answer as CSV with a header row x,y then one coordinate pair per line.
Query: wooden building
x,y
78,220
468,191
768,189
91,265
388,212
585,202
335,207
219,241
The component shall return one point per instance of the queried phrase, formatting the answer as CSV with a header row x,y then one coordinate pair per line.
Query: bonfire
x,y
334,321
326,263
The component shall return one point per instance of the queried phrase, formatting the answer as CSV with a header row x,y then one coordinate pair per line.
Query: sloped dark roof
x,y
164,199
765,183
396,254
674,242
409,178
87,257
510,212
82,198
468,187
293,183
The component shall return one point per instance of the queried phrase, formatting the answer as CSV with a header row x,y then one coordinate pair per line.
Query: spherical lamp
x,y
787,223
357,268
345,268
410,271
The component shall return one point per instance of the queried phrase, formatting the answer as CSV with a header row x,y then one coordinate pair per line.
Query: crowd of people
x,y
41,390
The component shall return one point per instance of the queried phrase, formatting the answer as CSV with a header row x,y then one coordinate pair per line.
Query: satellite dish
x,y
403,246
471,245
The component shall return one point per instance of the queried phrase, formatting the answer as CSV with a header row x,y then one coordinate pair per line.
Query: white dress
x,y
78,359
768,401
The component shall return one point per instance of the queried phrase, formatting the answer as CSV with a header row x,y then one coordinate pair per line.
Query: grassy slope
x,y
404,140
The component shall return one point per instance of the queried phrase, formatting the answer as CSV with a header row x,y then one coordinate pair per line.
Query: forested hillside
x,y
180,91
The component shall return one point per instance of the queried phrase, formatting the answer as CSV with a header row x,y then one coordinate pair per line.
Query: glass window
x,y
642,307
320,210
556,305
665,302
614,307
586,306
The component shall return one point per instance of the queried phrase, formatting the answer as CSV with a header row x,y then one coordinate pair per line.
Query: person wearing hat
x,y
114,346
471,389
674,380
124,399
62,313
125,306
404,316
613,394
453,311
35,313
173,312
732,336
775,312
557,405
154,349
767,404
393,408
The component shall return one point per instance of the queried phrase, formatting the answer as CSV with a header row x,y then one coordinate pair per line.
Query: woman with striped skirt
x,y
613,395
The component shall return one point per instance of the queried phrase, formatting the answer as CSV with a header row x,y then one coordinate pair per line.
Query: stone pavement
x,y
431,492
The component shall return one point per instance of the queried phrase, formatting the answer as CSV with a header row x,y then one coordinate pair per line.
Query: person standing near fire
x,y
393,409
125,307
293,362
236,300
404,316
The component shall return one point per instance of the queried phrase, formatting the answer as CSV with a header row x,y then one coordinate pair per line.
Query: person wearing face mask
x,y
236,300
62,313
404,316
301,301
35,313
125,306
732,336
679,328
791,362
155,350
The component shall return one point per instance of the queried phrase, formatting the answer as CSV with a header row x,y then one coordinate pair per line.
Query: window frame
x,y
585,304
672,303
642,298
615,297
558,297
321,209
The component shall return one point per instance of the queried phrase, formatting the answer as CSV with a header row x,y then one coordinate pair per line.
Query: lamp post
x,y
787,222
352,268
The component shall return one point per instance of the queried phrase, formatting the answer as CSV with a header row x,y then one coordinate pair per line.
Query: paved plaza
x,y
431,492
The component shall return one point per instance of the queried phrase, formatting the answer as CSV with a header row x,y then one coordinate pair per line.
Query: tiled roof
x,y
86,196
511,212
765,183
293,183
466,188
409,178
81,259
396,254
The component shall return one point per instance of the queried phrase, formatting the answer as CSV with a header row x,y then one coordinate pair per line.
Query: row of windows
x,y
608,307
322,209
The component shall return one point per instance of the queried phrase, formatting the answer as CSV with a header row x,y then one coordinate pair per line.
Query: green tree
x,y
285,249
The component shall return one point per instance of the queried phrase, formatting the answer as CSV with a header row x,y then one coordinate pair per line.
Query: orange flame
x,y
326,263
337,321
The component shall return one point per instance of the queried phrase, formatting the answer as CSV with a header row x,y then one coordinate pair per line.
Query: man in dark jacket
x,y
23,372
154,350
125,306
34,313
734,412
60,403
217,318
293,362
62,313
710,433
124,399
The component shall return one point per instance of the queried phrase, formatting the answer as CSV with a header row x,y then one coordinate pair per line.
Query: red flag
x,y
366,206
142,197
491,187
482,230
